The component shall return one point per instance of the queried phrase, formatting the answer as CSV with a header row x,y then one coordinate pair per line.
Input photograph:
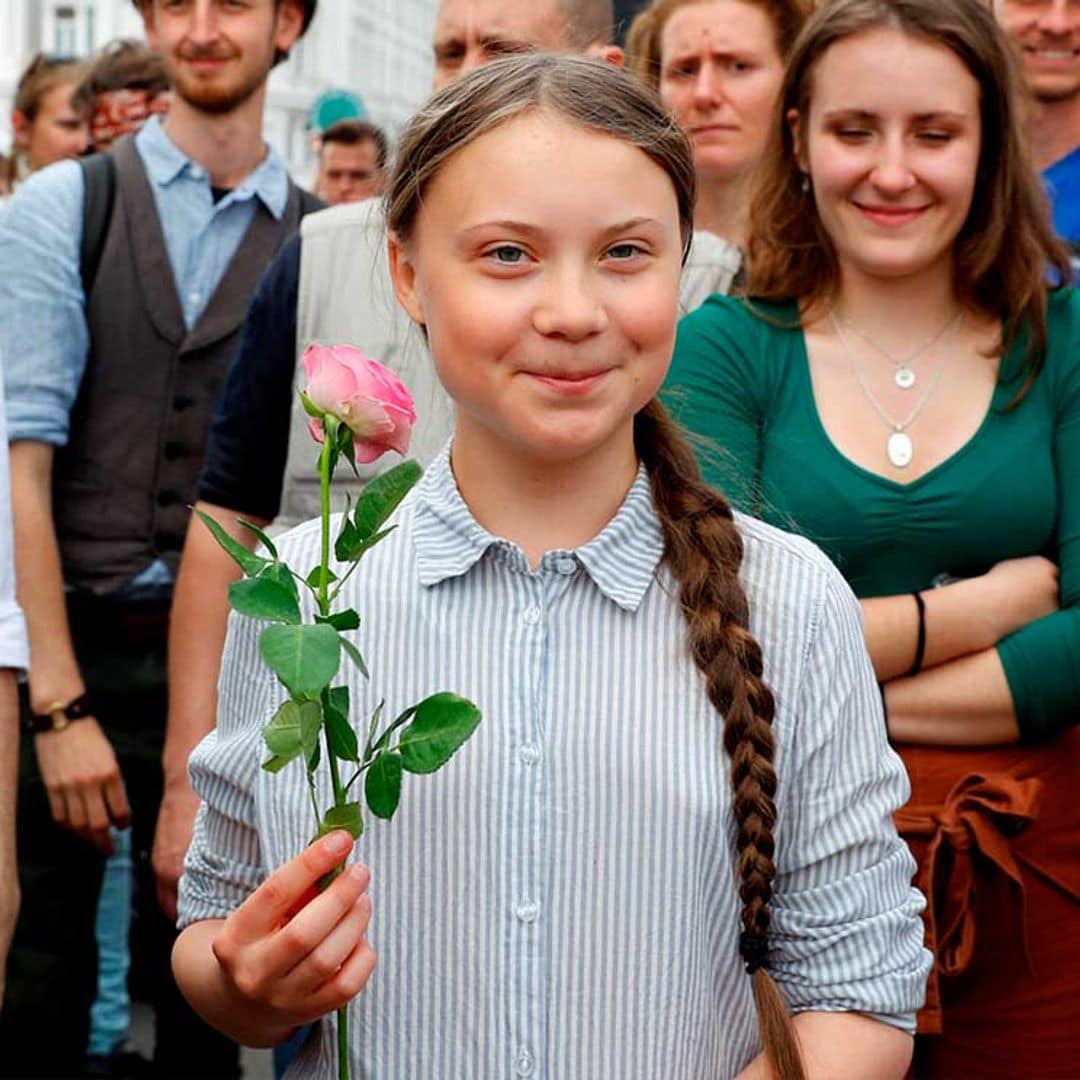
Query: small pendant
x,y
904,378
900,449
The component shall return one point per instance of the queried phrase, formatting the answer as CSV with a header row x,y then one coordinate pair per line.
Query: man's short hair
x,y
354,132
121,65
589,22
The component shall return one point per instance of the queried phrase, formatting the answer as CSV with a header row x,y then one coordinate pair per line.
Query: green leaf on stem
x,y
265,598
382,785
311,719
310,407
263,538
343,817
341,620
443,722
282,734
313,578
350,545
382,496
276,763
372,728
304,658
354,655
248,561
314,757
339,732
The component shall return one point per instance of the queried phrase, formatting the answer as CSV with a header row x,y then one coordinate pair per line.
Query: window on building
x,y
69,28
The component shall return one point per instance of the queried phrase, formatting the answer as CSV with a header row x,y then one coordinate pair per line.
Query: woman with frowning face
x,y
718,65
902,385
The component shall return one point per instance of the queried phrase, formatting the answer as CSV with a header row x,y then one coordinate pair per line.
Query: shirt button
x,y
532,615
529,754
528,912
196,173
524,1064
566,565
194,297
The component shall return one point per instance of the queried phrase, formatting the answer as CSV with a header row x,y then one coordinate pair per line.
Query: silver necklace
x,y
903,373
898,448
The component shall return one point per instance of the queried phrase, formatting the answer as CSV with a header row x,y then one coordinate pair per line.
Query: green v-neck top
x,y
740,380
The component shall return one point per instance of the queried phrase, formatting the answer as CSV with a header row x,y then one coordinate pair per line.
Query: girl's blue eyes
x,y
508,255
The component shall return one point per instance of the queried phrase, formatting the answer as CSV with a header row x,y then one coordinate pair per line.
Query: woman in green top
x,y
903,386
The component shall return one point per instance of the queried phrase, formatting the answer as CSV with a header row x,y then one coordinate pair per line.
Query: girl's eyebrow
x,y
535,230
866,116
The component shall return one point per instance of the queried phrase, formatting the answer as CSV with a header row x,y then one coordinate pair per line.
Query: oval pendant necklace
x,y
903,373
899,448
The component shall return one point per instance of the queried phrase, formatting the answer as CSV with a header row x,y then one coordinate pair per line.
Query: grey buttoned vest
x,y
123,484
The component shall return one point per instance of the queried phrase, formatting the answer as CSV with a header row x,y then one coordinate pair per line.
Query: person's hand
x,y
9,910
296,954
172,838
83,781
1019,591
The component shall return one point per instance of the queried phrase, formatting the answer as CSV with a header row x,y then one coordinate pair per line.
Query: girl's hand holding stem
x,y
289,954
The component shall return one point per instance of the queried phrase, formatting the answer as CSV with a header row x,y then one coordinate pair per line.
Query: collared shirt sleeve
x,y
14,651
224,863
249,440
846,932
43,335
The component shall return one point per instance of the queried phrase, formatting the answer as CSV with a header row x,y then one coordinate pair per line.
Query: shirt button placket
x,y
525,908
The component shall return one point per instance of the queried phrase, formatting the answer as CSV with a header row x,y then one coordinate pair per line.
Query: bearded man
x,y
114,352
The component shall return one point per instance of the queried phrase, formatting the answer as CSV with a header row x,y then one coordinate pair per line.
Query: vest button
x,y
173,450
182,402
167,498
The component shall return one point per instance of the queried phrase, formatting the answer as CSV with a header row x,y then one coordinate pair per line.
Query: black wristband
x,y
920,641
58,718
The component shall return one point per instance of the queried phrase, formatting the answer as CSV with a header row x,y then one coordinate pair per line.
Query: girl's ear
x,y
798,138
20,129
403,275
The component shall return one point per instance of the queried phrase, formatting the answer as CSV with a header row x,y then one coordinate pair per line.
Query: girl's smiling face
x,y
545,264
891,145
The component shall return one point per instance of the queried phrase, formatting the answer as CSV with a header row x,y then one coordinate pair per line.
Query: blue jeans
x,y
110,1015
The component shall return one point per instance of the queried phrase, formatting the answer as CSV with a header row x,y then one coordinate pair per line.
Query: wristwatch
x,y
57,716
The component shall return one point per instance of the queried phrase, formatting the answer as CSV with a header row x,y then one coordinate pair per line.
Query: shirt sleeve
x,y
1042,660
712,391
224,863
249,437
14,651
43,335
846,929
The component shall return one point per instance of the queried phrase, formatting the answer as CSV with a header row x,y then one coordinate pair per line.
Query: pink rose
x,y
365,396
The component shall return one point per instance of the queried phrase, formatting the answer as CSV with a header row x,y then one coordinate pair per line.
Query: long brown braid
x,y
704,550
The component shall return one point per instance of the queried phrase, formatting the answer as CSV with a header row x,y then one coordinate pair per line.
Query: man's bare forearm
x,y
197,627
54,671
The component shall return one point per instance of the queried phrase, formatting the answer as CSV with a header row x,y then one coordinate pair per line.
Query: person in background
x,y
902,385
47,125
14,659
718,65
125,85
352,162
1047,35
110,387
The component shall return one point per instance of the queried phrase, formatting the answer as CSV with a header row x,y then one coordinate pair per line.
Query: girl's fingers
x,y
324,961
308,929
270,904
345,985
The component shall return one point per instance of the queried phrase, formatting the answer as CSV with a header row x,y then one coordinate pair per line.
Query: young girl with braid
x,y
668,850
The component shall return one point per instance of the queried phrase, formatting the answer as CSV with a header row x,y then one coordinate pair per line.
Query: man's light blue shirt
x,y
43,334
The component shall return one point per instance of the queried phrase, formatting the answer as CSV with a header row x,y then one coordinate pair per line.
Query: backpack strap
x,y
99,176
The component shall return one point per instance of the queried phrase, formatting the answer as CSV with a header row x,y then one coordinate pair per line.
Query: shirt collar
x,y
622,559
165,161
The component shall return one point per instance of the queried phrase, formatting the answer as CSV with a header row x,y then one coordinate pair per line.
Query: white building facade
x,y
379,49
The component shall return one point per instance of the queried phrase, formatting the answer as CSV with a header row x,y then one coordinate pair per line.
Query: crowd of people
x,y
746,358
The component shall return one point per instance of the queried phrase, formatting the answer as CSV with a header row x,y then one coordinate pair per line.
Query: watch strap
x,y
58,716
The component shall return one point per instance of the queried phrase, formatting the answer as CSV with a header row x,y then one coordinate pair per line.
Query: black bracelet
x,y
920,641
58,717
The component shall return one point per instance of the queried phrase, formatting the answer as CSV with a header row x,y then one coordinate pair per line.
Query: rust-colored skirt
x,y
996,834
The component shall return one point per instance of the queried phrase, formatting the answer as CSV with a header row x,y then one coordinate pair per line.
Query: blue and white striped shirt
x,y
560,901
